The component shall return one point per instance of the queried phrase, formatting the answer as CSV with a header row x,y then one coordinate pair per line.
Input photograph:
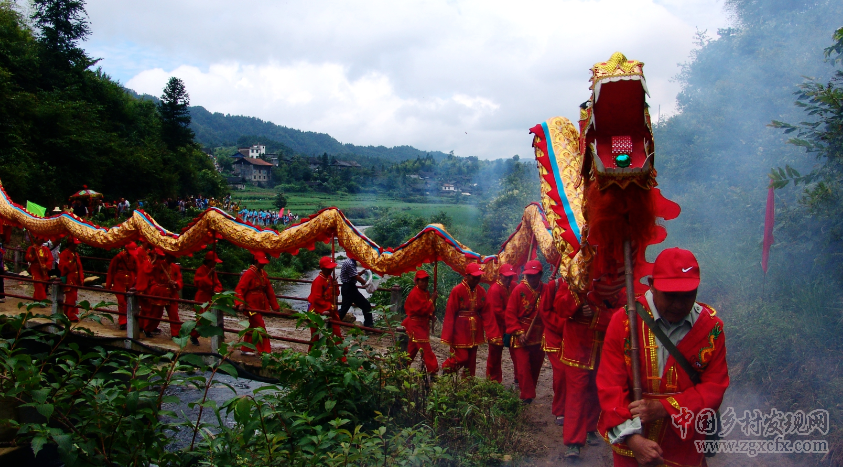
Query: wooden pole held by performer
x,y
632,314
435,282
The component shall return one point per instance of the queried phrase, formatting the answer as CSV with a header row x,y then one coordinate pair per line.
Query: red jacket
x,y
466,317
705,348
552,319
521,309
583,335
419,308
160,275
39,258
122,271
255,290
71,266
496,299
322,298
207,283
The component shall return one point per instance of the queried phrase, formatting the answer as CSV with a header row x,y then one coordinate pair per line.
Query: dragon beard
x,y
614,215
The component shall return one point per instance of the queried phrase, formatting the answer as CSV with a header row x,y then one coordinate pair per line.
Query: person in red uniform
x,y
419,307
165,281
466,317
496,299
642,432
70,267
39,257
143,260
554,327
122,274
255,292
207,284
524,324
323,297
583,332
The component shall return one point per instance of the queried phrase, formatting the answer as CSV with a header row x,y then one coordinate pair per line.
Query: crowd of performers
x,y
589,351
587,344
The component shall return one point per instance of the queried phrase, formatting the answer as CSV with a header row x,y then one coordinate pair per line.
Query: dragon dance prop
x,y
432,244
599,192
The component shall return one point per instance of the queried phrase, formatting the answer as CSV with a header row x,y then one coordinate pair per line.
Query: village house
x,y
448,187
257,171
253,152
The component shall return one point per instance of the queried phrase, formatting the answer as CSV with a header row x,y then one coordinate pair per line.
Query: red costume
x,y
704,347
323,294
554,326
466,316
522,310
255,290
419,308
122,274
165,280
582,337
39,257
496,300
70,267
207,284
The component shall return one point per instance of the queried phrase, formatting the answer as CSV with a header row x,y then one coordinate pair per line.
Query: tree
x,y
175,115
62,25
280,200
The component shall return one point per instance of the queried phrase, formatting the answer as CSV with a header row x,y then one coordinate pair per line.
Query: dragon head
x,y
616,138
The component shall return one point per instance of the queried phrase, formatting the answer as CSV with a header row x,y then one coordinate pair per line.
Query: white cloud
x,y
470,76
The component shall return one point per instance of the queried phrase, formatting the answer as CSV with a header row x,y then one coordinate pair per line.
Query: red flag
x,y
281,213
769,221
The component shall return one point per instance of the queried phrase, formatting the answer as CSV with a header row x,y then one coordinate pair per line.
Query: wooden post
x,y
55,295
216,341
395,298
132,312
435,283
17,261
632,314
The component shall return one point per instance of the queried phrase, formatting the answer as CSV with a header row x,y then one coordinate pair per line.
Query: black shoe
x,y
156,331
122,327
592,439
147,334
194,341
572,452
368,324
526,401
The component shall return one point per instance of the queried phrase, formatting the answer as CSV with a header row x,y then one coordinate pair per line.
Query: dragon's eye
x,y
623,160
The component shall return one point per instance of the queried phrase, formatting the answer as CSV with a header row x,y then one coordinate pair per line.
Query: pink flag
x,y
769,221
281,213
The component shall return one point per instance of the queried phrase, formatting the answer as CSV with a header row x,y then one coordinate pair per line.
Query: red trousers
x,y
121,303
70,310
582,408
494,370
528,365
461,358
558,406
155,314
40,293
430,361
263,345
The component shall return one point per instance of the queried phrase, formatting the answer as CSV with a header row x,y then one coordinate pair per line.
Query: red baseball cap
x,y
533,267
507,270
260,257
676,270
327,262
473,269
132,246
159,251
213,256
421,274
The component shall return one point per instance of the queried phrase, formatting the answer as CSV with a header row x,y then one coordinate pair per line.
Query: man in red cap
x,y
207,284
39,258
323,296
419,307
554,327
496,299
643,432
122,274
524,324
466,317
165,281
255,292
70,267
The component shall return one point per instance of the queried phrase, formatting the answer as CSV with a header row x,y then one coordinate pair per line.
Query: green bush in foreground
x,y
342,403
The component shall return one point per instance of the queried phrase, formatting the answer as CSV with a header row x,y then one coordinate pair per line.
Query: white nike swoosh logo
x,y
687,269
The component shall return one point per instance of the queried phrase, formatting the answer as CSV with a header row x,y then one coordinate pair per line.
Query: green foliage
x,y
395,228
67,125
175,116
280,200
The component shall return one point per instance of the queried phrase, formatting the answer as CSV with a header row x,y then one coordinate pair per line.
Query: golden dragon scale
x,y
433,243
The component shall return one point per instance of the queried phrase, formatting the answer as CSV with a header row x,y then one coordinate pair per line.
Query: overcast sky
x,y
467,76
